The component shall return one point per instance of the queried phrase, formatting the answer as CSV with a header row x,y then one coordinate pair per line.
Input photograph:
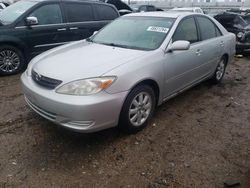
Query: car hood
x,y
82,60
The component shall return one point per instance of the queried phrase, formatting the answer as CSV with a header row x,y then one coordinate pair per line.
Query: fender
x,y
16,42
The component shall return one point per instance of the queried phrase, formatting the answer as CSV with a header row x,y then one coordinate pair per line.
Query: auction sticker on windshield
x,y
158,29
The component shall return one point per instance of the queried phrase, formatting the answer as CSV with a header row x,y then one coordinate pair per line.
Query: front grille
x,y
44,81
247,37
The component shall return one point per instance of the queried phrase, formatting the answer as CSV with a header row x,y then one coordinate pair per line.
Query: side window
x,y
48,14
186,30
151,8
218,32
207,28
106,12
143,8
79,12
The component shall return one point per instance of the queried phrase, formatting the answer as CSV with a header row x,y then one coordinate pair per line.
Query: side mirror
x,y
95,33
31,21
179,45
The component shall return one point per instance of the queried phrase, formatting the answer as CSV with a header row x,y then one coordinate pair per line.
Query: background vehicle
x,y
145,8
121,6
236,24
31,27
188,9
143,60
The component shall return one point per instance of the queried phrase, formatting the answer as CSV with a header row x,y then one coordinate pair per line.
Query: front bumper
x,y
79,113
240,46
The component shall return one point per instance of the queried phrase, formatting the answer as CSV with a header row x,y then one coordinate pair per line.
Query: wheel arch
x,y
152,83
17,44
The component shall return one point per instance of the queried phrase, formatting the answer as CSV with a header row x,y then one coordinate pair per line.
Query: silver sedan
x,y
119,75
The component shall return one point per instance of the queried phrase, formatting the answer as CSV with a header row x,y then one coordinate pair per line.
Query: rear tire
x,y
220,71
137,109
11,60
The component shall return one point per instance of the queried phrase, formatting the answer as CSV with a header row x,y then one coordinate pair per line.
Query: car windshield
x,y
12,12
240,22
143,33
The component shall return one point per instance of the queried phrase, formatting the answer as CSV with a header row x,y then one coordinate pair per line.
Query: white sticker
x,y
158,29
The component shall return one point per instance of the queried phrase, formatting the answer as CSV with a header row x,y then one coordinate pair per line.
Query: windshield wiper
x,y
123,46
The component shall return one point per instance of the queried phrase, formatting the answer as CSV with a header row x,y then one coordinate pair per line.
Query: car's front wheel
x,y
11,60
138,108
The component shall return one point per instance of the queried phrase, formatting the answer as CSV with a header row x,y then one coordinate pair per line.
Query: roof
x,y
161,14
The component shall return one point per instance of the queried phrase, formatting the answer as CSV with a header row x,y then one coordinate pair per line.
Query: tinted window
x,y
151,8
143,8
79,12
106,12
207,28
48,14
186,30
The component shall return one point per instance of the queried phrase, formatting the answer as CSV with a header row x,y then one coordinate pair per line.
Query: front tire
x,y
138,108
11,60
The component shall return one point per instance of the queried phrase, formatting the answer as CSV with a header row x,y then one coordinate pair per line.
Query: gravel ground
x,y
199,139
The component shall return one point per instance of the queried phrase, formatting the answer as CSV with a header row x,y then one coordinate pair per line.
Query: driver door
x,y
50,31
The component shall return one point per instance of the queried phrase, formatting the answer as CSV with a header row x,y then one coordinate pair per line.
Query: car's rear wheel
x,y
220,71
11,60
138,108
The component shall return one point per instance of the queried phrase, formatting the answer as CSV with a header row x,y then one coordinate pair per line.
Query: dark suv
x,y
236,24
30,27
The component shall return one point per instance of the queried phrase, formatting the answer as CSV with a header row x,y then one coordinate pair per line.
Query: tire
x,y
220,71
11,60
134,118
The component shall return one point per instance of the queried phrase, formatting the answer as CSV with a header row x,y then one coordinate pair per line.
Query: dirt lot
x,y
198,139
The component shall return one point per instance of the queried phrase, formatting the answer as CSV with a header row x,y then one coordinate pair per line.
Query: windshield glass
x,y
240,22
12,12
144,33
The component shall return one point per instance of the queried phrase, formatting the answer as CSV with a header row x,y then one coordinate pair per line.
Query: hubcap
x,y
9,61
140,109
220,70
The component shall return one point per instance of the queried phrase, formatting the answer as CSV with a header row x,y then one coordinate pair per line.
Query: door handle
x,y
73,28
198,52
61,29
222,43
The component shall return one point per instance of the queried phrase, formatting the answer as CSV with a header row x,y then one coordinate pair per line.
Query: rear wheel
x,y
220,71
138,108
11,60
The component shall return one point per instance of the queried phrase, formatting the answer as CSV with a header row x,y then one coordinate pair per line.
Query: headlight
x,y
240,35
86,86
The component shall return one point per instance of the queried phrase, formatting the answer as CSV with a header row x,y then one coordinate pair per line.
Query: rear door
x,y
212,44
80,20
50,30
181,68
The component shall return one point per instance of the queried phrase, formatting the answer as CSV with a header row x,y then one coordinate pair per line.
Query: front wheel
x,y
220,71
138,108
11,60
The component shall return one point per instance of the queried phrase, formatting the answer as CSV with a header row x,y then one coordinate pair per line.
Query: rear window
x,y
79,12
106,12
207,28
